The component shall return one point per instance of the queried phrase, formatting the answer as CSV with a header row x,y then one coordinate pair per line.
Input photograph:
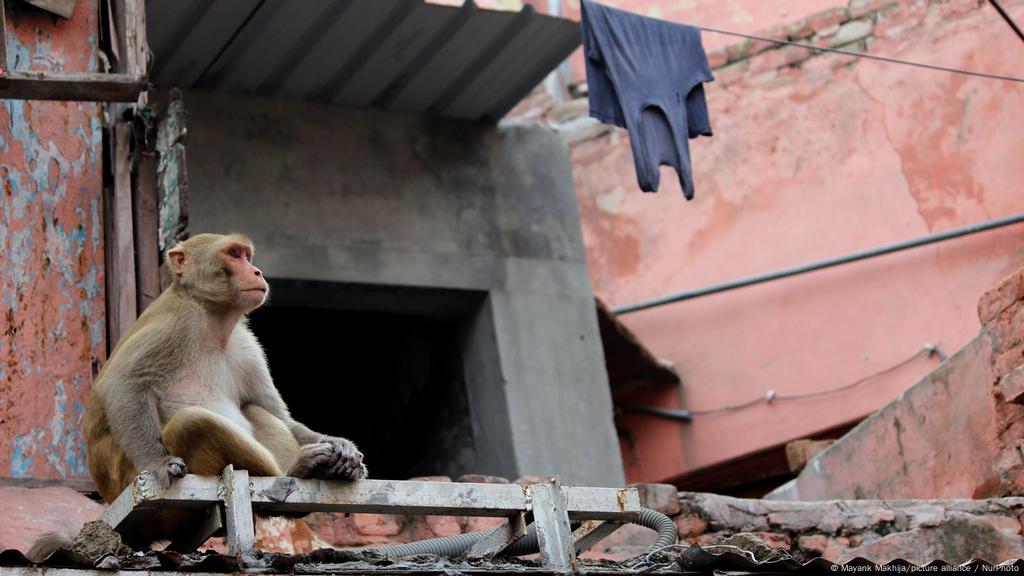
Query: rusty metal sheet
x,y
52,324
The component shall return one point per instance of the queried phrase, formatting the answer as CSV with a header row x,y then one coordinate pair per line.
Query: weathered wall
x,y
955,434
811,159
921,531
394,200
51,250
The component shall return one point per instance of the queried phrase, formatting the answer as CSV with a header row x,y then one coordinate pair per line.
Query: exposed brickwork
x,y
835,27
1011,386
1001,311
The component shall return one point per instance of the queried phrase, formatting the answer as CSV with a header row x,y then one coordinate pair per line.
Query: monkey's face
x,y
218,271
247,281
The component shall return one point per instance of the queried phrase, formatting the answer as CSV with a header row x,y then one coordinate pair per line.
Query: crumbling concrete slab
x,y
28,513
881,531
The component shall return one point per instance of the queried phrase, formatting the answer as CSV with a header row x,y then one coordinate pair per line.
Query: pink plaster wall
x,y
954,434
51,251
747,16
809,163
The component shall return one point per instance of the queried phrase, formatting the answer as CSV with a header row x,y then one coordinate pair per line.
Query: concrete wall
x,y
812,157
954,434
52,319
393,200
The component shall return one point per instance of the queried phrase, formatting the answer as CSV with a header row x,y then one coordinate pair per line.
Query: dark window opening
x,y
392,383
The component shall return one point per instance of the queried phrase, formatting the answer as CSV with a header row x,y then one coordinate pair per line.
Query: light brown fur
x,y
187,389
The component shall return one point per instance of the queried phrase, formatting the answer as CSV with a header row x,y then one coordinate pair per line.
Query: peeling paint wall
x,y
52,336
810,161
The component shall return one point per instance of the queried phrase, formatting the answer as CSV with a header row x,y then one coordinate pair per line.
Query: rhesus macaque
x,y
187,389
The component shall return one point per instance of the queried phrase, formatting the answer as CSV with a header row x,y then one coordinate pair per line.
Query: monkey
x,y
188,389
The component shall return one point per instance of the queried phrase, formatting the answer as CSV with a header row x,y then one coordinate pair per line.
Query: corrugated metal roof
x,y
407,55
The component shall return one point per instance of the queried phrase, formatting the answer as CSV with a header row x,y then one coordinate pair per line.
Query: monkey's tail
x,y
47,545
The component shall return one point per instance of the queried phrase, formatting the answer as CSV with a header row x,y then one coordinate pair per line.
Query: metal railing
x,y
231,500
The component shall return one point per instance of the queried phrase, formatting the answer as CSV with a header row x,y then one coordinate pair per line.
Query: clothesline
x,y
864,55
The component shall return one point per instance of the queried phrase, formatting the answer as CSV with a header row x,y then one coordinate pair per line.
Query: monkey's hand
x,y
346,460
329,458
312,458
168,470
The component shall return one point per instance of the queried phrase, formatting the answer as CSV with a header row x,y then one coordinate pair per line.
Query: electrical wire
x,y
867,56
821,264
1006,16
928,349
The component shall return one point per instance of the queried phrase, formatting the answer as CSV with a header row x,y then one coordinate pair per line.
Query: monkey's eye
x,y
234,253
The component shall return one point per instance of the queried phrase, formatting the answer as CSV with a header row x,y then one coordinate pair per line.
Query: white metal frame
x,y
233,498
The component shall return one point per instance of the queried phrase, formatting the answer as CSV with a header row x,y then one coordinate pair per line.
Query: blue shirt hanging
x,y
646,75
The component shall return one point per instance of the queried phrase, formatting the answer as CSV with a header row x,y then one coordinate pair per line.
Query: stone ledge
x,y
879,530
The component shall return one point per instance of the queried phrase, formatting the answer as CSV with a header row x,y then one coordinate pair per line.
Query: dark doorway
x,y
393,382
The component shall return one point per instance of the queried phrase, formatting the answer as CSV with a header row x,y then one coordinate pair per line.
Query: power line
x,y
820,264
929,349
868,56
686,416
1006,16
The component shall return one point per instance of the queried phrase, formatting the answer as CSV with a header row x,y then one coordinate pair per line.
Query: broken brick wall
x,y
52,311
813,156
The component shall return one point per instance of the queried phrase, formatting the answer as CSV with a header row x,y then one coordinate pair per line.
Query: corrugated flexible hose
x,y
452,546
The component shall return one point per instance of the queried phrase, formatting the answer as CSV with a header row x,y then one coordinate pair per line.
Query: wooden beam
x,y
144,212
120,234
133,22
71,86
82,86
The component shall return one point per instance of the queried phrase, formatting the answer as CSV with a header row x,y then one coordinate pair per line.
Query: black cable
x,y
868,56
1006,17
820,264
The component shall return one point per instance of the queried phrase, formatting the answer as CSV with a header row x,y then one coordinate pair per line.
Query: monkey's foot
x,y
168,470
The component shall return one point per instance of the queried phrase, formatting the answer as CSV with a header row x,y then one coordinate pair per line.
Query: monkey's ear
x,y
176,260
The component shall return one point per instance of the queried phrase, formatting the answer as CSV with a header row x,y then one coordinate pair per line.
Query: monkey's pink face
x,y
252,287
